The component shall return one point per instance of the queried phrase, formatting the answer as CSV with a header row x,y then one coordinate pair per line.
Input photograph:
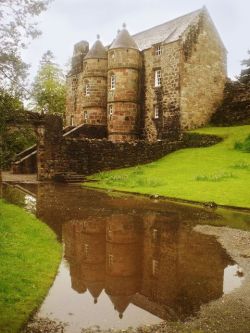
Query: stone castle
x,y
129,103
151,85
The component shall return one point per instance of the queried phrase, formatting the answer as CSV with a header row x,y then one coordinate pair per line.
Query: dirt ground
x,y
229,314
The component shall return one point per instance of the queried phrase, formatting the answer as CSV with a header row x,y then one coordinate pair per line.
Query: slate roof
x,y
97,51
167,32
124,40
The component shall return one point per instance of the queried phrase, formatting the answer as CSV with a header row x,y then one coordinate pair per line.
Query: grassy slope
x,y
218,173
29,256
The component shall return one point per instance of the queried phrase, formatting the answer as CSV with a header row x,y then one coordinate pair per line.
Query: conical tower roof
x,y
120,303
124,40
97,51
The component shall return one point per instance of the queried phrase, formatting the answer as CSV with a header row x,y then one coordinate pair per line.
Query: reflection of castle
x,y
154,263
138,251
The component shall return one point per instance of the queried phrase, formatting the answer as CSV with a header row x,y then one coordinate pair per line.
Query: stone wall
x,y
166,97
203,73
57,154
235,107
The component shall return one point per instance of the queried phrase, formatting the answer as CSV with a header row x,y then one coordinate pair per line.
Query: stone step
x,y
70,177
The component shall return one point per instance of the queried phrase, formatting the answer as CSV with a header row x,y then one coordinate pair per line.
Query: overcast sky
x,y
69,21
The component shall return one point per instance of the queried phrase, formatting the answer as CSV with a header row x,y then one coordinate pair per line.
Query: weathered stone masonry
x,y
57,154
129,102
151,85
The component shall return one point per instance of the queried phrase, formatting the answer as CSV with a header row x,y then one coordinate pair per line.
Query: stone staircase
x,y
69,177
25,162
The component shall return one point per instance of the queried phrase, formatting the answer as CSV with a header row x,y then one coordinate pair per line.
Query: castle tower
x,y
124,64
73,79
94,85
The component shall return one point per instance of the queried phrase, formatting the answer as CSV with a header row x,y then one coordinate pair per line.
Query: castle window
x,y
155,267
158,78
110,260
110,111
155,235
86,250
72,122
156,111
85,116
112,82
87,89
158,50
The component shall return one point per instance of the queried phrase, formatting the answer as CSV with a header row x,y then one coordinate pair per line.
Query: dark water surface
x,y
128,260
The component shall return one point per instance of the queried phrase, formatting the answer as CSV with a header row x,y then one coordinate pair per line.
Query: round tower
x,y
94,85
124,64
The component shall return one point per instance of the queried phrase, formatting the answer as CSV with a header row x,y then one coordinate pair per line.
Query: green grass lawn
x,y
29,257
218,173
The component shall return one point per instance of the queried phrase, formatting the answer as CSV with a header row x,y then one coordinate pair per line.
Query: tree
x,y
17,28
245,73
15,133
49,90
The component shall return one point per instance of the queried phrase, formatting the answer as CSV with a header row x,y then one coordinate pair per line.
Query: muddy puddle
x,y
128,260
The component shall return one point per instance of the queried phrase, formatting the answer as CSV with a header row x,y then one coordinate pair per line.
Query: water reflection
x,y
151,262
127,258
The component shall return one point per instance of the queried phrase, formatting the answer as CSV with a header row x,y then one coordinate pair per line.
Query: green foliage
x,y
29,256
14,134
245,73
49,89
243,146
17,28
241,165
175,175
216,177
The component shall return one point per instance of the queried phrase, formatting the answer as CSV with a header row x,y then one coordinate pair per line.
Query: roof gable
x,y
167,32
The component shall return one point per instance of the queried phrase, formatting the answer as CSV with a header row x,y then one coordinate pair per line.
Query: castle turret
x,y
73,79
124,63
94,85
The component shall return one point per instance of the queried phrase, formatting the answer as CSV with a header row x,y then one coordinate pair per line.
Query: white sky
x,y
66,22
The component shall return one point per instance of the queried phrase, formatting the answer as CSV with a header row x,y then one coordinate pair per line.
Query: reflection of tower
x,y
123,260
160,271
94,252
73,238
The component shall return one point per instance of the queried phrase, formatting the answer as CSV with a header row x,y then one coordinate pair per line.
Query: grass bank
x,y
219,173
29,256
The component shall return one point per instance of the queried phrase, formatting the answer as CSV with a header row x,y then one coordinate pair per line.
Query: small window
x,y
155,267
158,78
110,260
111,110
156,111
112,82
87,89
158,50
86,250
155,234
72,122
85,116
